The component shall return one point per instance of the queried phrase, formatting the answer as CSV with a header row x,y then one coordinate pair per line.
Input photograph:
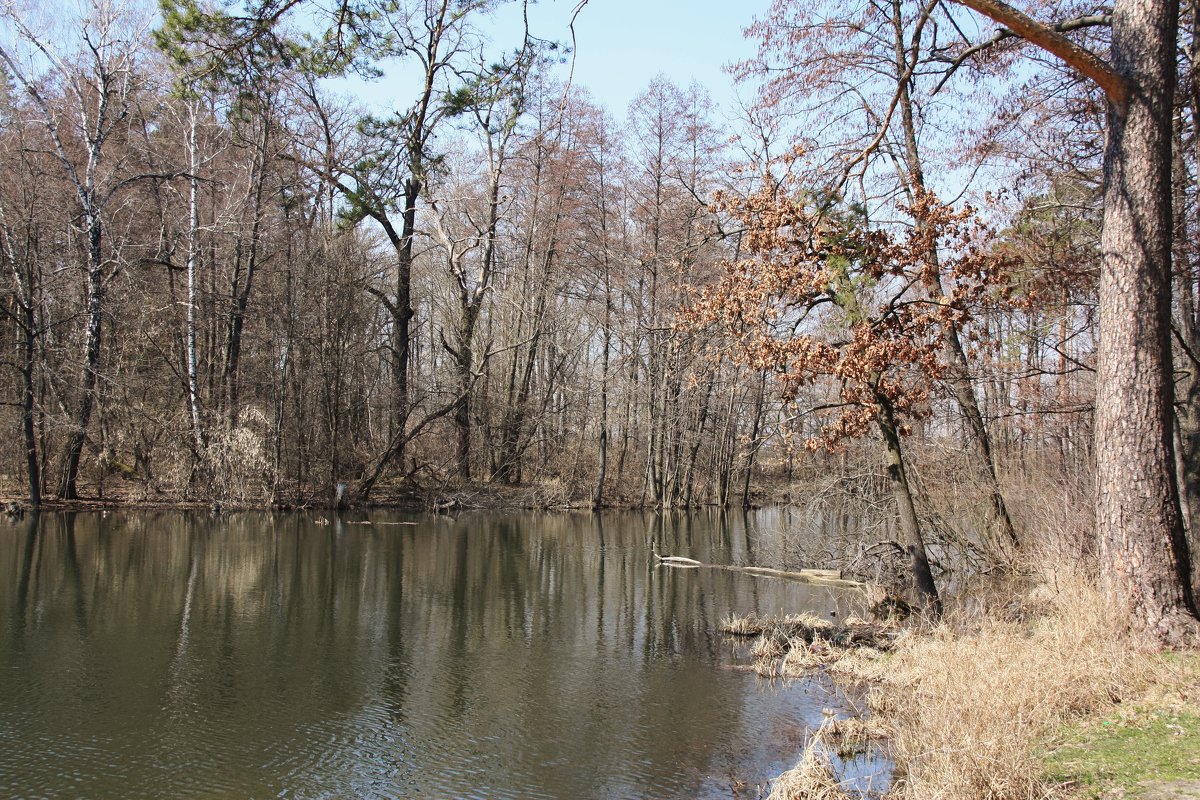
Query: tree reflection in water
x,y
484,655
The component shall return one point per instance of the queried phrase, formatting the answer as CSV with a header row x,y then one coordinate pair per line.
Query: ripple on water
x,y
484,657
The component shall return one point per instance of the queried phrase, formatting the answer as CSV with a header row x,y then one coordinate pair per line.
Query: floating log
x,y
680,561
825,577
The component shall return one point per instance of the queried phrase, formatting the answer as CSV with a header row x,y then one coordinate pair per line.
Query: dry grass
x,y
853,735
968,710
769,646
738,625
795,645
813,777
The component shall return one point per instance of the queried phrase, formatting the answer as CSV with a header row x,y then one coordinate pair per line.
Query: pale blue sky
x,y
621,45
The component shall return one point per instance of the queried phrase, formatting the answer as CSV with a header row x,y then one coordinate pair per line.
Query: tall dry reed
x,y
969,707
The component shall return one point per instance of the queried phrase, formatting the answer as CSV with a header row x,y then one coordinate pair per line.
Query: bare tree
x,y
99,85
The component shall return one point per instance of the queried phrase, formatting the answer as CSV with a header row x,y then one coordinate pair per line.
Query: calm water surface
x,y
166,655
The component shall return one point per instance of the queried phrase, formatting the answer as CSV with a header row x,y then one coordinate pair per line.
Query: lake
x,y
253,655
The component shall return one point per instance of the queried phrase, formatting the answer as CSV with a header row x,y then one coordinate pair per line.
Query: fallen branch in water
x,y
825,577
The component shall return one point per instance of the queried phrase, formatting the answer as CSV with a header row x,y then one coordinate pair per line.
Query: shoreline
x,y
1051,699
480,497
1101,713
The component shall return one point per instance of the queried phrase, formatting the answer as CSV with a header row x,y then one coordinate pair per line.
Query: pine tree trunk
x,y
1144,560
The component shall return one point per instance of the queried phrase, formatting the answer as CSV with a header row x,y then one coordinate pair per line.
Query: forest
x,y
943,257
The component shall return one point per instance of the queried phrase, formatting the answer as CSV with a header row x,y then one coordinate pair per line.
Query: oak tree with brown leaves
x,y
820,298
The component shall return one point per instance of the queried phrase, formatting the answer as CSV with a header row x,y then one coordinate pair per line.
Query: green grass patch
x,y
1114,756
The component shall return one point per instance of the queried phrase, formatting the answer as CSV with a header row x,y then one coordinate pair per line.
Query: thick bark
x,y
1145,565
1144,560
1187,392
1190,323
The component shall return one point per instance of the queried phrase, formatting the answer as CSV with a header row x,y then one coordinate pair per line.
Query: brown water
x,y
167,655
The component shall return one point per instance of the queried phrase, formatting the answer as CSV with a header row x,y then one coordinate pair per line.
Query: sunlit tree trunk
x,y
1145,565
1144,560
26,319
193,255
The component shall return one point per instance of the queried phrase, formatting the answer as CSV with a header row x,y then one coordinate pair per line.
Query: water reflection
x,y
175,655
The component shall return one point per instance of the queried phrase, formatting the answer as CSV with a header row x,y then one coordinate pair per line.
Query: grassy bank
x,y
1149,748
1041,695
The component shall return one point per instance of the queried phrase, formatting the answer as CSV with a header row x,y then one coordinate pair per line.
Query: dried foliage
x,y
821,297
812,778
794,645
968,709
237,459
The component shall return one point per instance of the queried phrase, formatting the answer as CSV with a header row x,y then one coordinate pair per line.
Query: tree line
x,y
222,279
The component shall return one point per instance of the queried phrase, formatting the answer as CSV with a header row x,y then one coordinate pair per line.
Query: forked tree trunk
x,y
91,359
